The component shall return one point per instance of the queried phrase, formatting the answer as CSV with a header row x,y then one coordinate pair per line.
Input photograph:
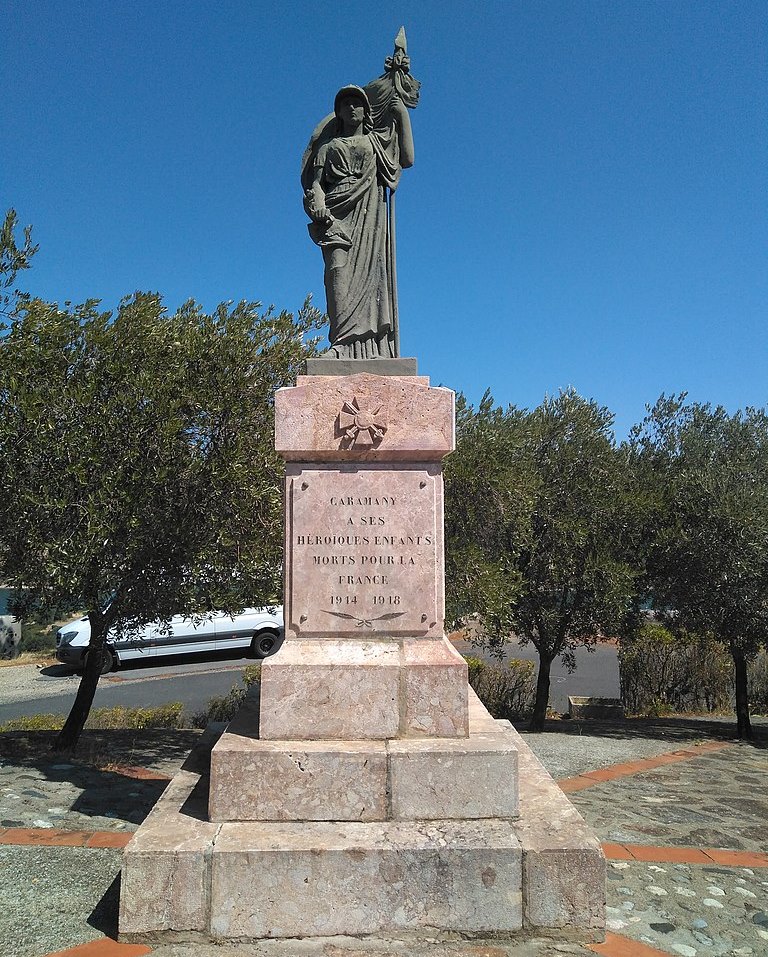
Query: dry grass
x,y
42,658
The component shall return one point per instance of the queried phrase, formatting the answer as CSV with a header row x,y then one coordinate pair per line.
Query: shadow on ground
x,y
94,782
154,748
674,730
104,916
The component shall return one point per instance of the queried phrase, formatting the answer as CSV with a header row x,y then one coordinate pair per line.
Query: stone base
x,y
187,879
606,709
355,689
410,779
321,879
325,365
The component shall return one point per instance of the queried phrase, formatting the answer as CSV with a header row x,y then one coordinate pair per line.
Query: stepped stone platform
x,y
367,792
521,871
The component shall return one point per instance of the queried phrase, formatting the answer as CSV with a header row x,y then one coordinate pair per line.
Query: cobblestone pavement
x,y
678,901
689,909
716,800
112,784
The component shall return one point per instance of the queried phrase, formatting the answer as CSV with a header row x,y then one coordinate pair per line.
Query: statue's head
x,y
353,95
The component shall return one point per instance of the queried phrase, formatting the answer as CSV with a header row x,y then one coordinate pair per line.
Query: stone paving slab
x,y
353,947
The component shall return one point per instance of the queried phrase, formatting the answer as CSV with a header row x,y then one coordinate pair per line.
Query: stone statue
x,y
350,171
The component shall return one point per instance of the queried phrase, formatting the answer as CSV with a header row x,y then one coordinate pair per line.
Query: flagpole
x,y
393,271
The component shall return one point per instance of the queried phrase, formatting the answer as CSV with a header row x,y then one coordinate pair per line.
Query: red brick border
x,y
591,778
684,855
103,947
140,774
617,946
55,837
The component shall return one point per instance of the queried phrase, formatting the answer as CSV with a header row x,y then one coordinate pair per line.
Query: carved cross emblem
x,y
362,426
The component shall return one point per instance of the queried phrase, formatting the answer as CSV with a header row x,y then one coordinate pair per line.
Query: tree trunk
x,y
67,738
743,724
542,694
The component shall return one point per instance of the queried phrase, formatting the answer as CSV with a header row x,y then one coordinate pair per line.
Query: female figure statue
x,y
350,171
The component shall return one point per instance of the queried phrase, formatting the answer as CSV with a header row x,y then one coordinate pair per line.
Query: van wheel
x,y
263,643
107,664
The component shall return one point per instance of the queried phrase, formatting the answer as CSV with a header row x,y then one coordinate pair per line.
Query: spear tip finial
x,y
400,41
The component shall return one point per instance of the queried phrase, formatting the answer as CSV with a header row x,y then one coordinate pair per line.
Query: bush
x,y
757,682
507,692
35,722
220,708
110,719
252,674
37,638
225,707
475,667
661,673
163,716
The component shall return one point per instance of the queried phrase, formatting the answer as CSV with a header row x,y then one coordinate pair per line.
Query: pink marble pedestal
x,y
365,655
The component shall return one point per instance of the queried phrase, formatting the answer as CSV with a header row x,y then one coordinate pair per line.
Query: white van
x,y
257,630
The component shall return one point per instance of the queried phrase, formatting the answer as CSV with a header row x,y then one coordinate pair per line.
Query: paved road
x,y
597,671
52,690
137,684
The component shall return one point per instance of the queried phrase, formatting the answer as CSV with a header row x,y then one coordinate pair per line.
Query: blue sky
x,y
588,204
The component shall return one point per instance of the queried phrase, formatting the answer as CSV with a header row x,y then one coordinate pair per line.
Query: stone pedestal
x,y
367,792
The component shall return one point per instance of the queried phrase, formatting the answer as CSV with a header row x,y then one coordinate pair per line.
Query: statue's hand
x,y
315,208
321,215
400,111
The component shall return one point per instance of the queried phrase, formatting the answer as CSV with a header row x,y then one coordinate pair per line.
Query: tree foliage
x,y
488,504
138,476
13,259
535,526
704,476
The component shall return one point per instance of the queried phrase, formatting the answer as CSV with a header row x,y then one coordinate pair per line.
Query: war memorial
x,y
366,792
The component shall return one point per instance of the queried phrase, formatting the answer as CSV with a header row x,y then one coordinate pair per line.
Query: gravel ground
x,y
24,682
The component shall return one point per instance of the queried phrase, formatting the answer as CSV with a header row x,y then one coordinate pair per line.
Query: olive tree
x,y
535,529
137,471
13,259
704,477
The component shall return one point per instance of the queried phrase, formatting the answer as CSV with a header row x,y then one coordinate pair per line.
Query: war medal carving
x,y
361,426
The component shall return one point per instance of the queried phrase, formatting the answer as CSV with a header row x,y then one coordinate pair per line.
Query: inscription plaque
x,y
364,551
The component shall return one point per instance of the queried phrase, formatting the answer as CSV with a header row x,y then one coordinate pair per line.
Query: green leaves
x,y
534,522
536,527
707,532
704,536
13,259
136,454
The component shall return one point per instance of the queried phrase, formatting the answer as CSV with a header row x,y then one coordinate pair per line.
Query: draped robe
x,y
355,173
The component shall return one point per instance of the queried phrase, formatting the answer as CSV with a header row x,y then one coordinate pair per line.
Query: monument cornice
x,y
364,418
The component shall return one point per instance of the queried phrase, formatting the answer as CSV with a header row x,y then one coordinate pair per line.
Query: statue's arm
x,y
314,199
403,119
